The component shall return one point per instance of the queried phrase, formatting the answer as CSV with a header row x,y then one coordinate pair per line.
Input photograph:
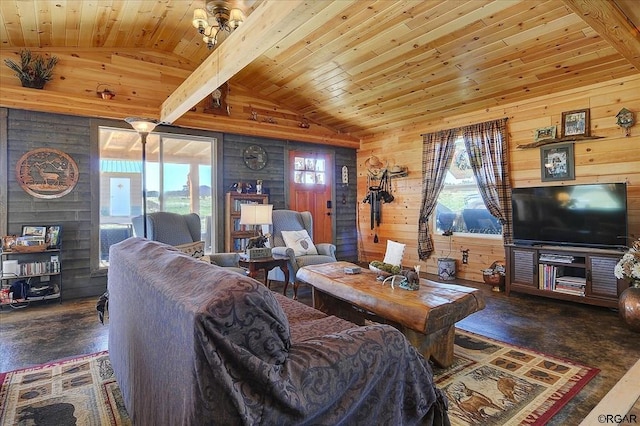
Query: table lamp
x,y
256,215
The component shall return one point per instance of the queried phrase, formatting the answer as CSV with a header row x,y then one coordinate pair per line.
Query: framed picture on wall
x,y
557,163
53,237
34,231
576,123
544,133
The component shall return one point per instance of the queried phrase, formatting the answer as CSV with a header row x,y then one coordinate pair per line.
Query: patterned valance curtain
x,y
486,144
437,153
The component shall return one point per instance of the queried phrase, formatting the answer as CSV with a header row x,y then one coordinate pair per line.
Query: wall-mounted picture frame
x,y
544,133
53,237
47,173
576,123
557,162
34,231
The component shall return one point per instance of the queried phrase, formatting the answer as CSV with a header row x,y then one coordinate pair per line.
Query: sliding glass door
x,y
180,178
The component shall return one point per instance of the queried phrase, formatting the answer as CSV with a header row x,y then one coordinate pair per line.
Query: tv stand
x,y
577,274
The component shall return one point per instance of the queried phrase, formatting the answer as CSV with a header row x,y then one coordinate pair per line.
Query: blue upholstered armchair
x,y
169,228
180,230
289,220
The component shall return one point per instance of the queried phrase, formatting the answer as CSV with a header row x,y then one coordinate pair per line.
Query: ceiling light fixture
x,y
216,18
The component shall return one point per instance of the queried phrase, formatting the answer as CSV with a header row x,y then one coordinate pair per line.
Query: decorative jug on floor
x,y
629,306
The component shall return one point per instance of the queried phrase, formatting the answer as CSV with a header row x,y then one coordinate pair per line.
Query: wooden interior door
x,y
310,190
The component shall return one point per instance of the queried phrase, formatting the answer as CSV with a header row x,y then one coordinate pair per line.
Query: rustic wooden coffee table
x,y
426,317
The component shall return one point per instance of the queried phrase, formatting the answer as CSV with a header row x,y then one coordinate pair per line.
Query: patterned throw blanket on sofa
x,y
191,343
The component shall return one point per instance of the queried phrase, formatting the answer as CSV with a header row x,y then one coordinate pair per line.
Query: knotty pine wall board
x,y
614,158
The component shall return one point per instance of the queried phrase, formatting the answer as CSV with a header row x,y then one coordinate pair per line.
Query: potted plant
x,y
33,71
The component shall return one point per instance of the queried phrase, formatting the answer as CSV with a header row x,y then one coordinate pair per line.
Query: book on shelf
x,y
552,278
239,244
571,285
558,258
571,280
238,203
575,291
39,268
547,276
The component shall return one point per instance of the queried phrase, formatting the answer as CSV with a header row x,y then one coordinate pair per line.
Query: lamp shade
x,y
236,17
200,18
142,125
256,214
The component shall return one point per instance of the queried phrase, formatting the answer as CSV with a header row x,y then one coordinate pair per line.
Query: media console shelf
x,y
577,274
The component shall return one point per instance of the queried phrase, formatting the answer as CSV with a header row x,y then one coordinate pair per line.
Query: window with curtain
x,y
179,179
485,146
460,207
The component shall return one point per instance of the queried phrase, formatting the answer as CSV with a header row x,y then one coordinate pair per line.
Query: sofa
x,y
192,343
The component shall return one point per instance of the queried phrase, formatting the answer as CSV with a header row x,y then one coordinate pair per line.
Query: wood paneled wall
x,y
27,130
142,80
615,158
275,179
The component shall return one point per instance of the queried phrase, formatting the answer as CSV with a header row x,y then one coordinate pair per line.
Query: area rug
x,y
493,383
489,383
77,391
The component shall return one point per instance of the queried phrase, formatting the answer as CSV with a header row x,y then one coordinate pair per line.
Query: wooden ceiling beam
x,y
270,23
611,24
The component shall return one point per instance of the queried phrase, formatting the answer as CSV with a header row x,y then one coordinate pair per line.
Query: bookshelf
x,y
582,275
236,235
41,270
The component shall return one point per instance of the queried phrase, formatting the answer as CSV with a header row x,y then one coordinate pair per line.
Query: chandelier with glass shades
x,y
216,19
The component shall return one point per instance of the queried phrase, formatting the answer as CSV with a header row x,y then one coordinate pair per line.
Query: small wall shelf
x,y
558,140
399,175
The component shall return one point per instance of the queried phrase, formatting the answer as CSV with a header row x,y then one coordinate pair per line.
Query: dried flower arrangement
x,y
33,71
629,266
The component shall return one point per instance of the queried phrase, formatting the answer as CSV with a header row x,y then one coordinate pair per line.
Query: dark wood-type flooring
x,y
591,335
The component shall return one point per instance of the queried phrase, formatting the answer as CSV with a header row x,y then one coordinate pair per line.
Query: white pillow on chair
x,y
394,253
300,242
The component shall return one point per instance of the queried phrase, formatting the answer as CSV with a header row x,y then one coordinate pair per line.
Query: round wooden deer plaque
x,y
47,173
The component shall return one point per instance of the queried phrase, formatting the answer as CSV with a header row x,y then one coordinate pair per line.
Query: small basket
x,y
379,271
29,249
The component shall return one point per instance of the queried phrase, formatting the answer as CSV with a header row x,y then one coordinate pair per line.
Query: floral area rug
x,y
493,383
77,391
489,383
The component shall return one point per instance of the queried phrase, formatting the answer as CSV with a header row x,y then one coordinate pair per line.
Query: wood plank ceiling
x,y
362,67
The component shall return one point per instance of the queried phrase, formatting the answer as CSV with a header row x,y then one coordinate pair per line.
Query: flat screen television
x,y
592,215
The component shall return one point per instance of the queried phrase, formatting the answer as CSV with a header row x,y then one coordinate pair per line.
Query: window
x,y
309,170
179,179
460,207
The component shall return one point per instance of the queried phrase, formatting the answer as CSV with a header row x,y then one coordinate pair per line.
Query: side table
x,y
266,264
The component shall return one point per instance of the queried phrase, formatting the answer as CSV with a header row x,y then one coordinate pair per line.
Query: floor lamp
x,y
143,126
